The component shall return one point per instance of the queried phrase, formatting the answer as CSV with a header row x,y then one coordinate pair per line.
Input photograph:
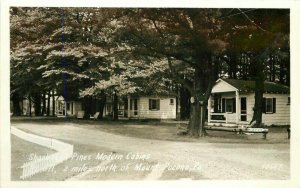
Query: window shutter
x,y
274,105
158,104
233,103
223,105
264,105
149,104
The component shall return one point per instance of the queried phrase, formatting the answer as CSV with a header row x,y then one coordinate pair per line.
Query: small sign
x,y
192,100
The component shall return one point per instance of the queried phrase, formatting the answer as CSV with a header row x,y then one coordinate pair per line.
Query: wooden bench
x,y
239,130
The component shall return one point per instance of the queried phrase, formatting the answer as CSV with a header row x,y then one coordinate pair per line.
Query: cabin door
x,y
60,108
133,107
243,109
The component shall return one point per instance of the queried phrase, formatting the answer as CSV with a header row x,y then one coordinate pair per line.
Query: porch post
x,y
237,106
209,109
66,108
128,107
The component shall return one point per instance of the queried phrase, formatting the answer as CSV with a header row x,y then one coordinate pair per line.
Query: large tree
x,y
104,52
187,38
260,35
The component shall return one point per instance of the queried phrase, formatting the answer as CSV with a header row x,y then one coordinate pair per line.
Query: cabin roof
x,y
170,95
249,86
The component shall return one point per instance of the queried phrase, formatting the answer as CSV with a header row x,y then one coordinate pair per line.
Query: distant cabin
x,y
151,107
132,107
232,101
67,108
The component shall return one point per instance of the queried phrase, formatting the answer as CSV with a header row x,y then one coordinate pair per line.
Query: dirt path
x,y
211,160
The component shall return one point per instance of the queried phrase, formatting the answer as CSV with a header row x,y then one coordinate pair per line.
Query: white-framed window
x,y
269,106
154,104
229,105
171,101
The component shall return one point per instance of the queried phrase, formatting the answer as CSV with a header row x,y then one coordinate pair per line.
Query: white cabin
x,y
67,108
151,107
231,103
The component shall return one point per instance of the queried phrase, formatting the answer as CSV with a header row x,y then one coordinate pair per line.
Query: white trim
x,y
272,106
229,84
237,107
221,80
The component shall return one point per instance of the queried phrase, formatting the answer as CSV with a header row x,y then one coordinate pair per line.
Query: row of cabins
x,y
231,103
142,107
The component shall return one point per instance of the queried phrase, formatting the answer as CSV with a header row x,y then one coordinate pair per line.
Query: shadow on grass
x,y
158,130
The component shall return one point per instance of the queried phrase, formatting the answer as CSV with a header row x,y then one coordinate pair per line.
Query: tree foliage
x,y
91,53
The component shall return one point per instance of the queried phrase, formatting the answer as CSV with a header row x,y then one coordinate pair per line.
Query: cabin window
x,y
228,105
217,103
171,101
154,104
269,105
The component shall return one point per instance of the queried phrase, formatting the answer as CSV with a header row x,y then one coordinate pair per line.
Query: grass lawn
x,y
164,130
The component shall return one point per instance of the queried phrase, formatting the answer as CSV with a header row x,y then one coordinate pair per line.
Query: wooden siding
x,y
282,114
280,117
76,105
166,111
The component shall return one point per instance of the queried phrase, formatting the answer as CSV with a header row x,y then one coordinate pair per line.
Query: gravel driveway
x,y
203,160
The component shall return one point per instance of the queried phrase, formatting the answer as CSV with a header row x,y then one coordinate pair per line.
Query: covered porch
x,y
227,107
66,108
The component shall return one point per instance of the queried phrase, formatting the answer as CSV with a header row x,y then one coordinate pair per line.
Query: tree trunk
x,y
16,104
37,104
185,106
53,103
87,102
102,103
178,117
203,82
30,113
44,104
115,106
259,90
22,106
48,104
233,65
195,117
195,125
